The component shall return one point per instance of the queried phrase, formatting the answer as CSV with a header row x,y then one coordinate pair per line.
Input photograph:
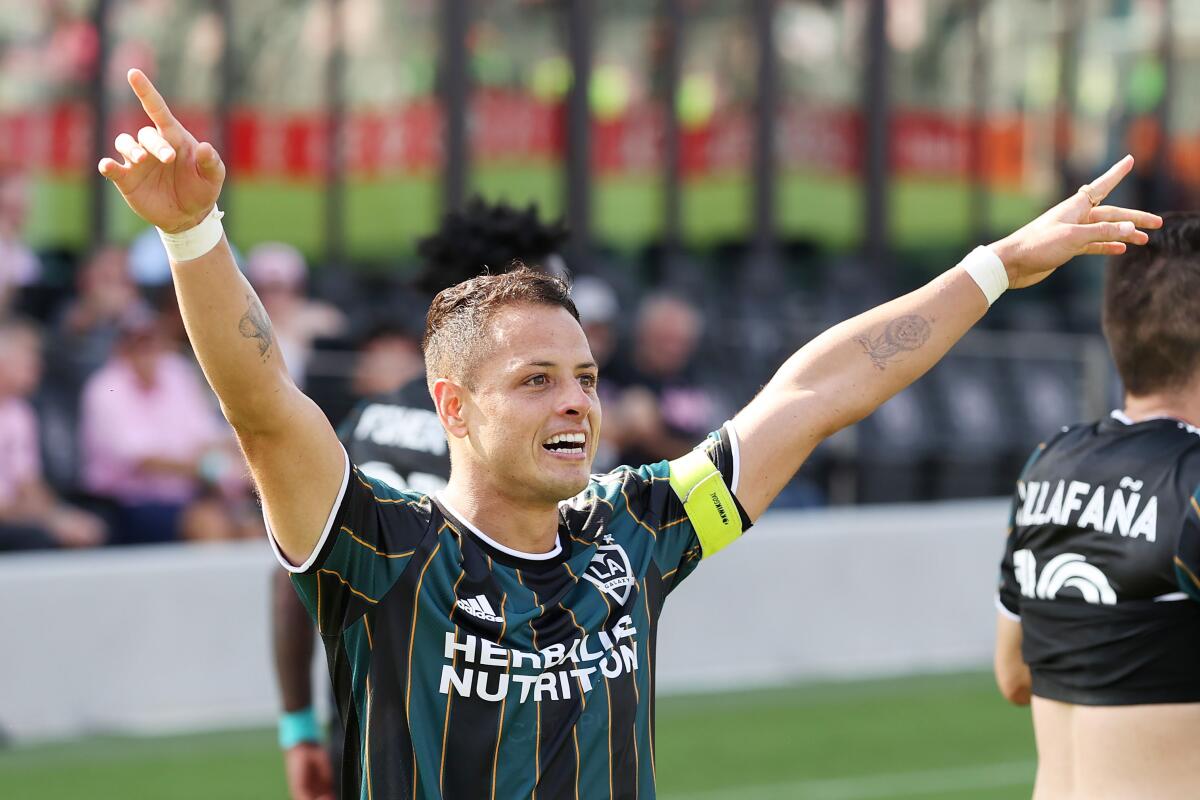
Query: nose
x,y
575,402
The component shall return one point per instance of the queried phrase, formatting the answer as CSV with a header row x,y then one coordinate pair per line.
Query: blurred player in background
x,y
393,435
1094,616
521,660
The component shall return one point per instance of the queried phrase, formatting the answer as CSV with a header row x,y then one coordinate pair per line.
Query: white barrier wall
x,y
177,638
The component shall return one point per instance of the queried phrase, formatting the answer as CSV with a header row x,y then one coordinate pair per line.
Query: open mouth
x,y
567,444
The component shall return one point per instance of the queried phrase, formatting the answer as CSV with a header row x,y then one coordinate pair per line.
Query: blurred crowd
x,y
110,435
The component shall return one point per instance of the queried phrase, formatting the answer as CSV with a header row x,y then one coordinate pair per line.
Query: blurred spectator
x,y
31,516
151,442
87,328
279,275
18,264
598,311
388,358
663,410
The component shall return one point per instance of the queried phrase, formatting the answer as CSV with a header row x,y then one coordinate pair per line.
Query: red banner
x,y
514,128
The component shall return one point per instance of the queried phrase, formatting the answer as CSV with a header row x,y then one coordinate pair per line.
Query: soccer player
x,y
1094,617
395,437
498,639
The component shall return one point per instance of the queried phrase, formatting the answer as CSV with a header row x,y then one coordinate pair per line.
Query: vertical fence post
x,y
335,166
877,132
1064,112
671,20
101,147
226,92
980,198
765,112
578,156
1163,191
454,84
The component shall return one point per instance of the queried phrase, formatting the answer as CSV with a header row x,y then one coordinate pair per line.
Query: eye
x,y
588,381
536,380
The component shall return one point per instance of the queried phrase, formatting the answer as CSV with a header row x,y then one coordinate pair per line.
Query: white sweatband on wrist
x,y
987,270
194,242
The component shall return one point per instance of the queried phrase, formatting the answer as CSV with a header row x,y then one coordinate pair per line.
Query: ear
x,y
449,399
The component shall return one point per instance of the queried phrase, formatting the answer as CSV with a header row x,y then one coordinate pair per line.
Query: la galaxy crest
x,y
611,571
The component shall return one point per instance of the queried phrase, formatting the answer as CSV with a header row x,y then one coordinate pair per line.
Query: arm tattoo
x,y
255,324
906,333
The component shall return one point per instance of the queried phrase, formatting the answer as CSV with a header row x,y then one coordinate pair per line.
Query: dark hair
x,y
485,234
1152,308
458,317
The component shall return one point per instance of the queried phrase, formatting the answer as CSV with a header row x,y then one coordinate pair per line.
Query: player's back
x,y
1093,569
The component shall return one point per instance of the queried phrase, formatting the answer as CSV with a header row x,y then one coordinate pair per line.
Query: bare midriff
x,y
1116,752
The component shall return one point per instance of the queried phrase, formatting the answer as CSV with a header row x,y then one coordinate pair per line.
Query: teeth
x,y
576,438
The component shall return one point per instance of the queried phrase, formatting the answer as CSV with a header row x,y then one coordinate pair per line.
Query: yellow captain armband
x,y
707,500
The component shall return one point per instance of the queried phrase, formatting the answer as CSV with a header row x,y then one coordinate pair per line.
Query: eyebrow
x,y
551,364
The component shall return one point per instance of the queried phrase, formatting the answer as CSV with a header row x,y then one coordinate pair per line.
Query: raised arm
x,y
851,369
172,182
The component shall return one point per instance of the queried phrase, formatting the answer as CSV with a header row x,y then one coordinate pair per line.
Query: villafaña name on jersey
x,y
1084,506
609,653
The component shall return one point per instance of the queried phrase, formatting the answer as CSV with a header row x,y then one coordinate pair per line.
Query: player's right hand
x,y
168,178
1078,225
309,773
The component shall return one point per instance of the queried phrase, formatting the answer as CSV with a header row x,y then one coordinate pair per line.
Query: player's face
x,y
533,411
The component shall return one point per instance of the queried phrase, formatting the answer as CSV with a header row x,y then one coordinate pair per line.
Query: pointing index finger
x,y
152,102
1109,180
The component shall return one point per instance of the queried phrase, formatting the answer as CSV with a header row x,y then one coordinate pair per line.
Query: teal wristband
x,y
298,727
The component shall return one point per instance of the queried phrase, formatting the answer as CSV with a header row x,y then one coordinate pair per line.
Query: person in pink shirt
x,y
151,443
31,515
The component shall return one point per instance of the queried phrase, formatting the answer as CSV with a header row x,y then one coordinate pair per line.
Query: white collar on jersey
x,y
1123,418
493,543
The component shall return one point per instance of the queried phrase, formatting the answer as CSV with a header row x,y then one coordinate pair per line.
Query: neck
x,y
521,526
1183,406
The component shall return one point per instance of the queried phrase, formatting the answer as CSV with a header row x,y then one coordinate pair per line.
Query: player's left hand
x,y
309,773
1079,225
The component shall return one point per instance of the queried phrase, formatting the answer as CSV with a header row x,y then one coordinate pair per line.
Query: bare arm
x,y
292,639
1012,673
172,181
851,369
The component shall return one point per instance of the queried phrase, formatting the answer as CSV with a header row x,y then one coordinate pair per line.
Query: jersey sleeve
x,y
1187,554
366,544
1008,592
690,503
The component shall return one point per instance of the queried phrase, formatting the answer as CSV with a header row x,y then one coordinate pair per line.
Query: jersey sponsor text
x,y
588,659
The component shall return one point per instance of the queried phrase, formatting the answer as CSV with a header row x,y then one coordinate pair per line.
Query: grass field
x,y
938,738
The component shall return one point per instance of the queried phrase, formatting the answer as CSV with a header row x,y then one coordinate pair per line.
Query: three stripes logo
x,y
479,607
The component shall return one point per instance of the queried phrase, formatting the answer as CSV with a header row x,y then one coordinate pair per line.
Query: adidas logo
x,y
479,607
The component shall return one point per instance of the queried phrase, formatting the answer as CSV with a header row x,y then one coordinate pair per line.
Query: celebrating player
x,y
497,639
1105,533
394,436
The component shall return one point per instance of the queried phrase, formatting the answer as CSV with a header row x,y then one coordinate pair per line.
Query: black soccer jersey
x,y
466,670
1100,562
398,439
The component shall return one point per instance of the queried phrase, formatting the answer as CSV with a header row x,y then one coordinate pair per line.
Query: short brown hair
x,y
1152,308
457,320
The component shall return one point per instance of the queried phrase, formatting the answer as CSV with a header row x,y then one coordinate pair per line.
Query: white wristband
x,y
194,242
987,270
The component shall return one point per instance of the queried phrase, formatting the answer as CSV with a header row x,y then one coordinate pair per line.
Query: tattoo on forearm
x,y
906,333
255,324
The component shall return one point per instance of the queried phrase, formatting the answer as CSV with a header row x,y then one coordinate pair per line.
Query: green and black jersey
x,y
466,670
